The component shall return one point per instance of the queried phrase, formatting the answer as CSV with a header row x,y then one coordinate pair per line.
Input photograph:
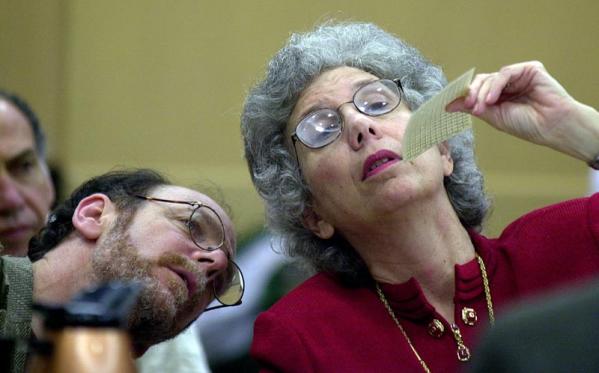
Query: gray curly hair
x,y
272,164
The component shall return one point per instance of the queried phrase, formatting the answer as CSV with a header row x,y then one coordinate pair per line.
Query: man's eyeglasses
x,y
207,231
321,127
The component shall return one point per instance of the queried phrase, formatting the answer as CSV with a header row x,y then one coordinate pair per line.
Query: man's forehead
x,y
11,117
180,193
16,134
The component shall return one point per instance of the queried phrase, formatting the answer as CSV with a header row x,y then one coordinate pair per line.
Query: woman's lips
x,y
378,162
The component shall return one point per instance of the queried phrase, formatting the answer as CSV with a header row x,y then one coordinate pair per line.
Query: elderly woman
x,y
405,281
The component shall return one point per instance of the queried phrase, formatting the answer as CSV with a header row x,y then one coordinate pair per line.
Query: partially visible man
x,y
126,225
26,191
556,333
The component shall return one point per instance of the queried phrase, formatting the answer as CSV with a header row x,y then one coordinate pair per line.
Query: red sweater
x,y
324,326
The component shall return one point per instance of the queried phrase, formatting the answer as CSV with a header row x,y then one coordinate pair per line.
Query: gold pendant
x,y
463,353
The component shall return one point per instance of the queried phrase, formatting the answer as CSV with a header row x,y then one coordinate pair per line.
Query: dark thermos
x,y
88,334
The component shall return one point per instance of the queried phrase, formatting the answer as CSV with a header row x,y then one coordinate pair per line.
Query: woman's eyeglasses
x,y
321,127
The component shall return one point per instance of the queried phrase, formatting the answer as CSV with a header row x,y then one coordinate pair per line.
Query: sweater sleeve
x,y
593,217
277,347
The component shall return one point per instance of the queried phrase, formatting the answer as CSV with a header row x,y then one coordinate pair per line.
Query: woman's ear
x,y
446,157
320,227
87,217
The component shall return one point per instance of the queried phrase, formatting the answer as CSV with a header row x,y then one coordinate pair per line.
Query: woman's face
x,y
360,177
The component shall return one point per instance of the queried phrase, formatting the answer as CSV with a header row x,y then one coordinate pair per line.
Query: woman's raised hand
x,y
524,100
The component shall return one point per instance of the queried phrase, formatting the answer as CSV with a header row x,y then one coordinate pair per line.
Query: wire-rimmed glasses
x,y
207,232
321,127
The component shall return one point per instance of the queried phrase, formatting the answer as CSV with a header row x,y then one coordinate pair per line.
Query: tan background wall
x,y
161,84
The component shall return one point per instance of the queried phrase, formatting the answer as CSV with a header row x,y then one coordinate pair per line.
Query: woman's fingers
x,y
471,98
483,91
501,83
488,91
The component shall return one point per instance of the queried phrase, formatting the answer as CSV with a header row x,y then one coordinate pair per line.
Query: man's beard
x,y
155,316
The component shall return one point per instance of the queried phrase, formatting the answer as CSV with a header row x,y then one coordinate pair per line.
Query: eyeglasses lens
x,y
319,128
231,294
377,98
206,228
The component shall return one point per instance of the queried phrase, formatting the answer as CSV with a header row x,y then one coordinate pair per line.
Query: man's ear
x,y
320,227
446,157
87,218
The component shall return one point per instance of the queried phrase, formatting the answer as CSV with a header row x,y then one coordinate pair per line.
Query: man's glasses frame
x,y
234,270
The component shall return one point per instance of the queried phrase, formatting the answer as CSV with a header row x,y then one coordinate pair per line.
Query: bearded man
x,y
126,225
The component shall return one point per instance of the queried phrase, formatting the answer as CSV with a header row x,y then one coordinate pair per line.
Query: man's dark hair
x,y
38,133
120,186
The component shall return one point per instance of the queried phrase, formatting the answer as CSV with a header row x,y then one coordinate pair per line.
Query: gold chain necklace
x,y
463,351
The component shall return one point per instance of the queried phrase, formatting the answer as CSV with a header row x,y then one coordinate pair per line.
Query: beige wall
x,y
161,84
31,54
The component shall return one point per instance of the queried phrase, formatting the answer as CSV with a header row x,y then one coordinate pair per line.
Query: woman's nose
x,y
211,263
360,127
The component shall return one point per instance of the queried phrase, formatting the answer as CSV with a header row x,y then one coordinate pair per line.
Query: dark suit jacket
x,y
556,335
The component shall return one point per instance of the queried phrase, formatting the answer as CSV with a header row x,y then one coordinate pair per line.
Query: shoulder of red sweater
x,y
320,291
563,219
557,214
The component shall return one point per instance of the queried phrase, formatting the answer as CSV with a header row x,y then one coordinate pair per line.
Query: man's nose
x,y
211,262
10,195
360,127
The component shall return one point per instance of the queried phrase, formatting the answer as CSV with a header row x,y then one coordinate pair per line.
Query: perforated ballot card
x,y
431,124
